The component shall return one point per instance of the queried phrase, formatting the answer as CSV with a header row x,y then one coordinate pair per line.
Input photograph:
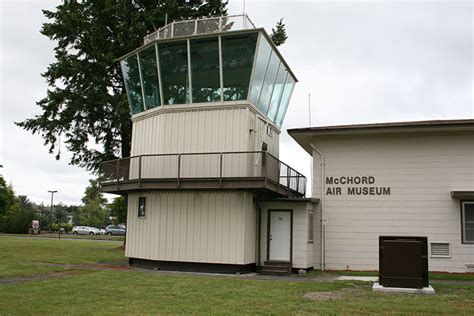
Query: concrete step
x,y
273,267
277,263
276,268
274,272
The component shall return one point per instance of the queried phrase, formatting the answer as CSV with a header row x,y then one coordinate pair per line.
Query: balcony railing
x,y
205,25
221,169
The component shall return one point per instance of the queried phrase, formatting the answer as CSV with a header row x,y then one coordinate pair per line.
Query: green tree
x,y
7,196
86,101
93,212
118,209
93,193
278,35
17,218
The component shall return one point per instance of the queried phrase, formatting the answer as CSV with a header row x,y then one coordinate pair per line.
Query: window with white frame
x,y
467,217
310,225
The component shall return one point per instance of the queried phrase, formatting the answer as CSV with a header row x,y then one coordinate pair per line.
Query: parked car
x,y
85,230
115,230
102,231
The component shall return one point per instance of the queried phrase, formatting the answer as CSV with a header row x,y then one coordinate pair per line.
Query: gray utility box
x,y
403,261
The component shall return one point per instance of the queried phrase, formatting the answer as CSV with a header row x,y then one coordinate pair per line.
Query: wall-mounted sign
x,y
355,185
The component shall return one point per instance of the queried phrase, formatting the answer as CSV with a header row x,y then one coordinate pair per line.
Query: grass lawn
x,y
27,256
138,292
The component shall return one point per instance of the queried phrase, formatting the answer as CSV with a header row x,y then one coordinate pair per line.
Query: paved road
x,y
56,238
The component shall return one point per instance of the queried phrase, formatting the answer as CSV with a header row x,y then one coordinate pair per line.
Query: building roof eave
x,y
304,136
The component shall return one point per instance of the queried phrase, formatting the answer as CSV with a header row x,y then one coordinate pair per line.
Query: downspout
x,y
258,233
322,201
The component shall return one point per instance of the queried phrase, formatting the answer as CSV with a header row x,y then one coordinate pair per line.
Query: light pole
x,y
52,199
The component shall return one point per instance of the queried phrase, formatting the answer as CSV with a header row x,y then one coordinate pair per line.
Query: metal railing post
x,y
117,171
279,174
140,170
220,170
179,170
288,179
297,182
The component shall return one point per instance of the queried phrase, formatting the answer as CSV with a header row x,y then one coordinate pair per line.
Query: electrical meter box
x,y
403,261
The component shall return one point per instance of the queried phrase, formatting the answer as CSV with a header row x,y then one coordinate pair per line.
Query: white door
x,y
280,235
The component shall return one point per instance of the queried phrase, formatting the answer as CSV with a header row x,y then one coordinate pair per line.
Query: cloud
x,y
361,62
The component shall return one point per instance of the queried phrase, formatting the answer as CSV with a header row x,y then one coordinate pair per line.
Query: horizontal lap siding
x,y
219,129
212,227
420,170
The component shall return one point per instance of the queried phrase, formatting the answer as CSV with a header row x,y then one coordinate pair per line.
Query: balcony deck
x,y
256,171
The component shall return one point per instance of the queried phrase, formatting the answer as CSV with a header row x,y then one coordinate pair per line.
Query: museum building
x,y
206,189
393,179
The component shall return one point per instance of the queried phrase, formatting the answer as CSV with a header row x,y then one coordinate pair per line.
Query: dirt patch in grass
x,y
323,296
333,295
38,277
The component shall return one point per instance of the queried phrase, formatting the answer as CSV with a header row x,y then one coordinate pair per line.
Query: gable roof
x,y
303,136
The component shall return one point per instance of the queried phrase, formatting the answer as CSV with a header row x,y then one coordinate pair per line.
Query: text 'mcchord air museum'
x,y
207,191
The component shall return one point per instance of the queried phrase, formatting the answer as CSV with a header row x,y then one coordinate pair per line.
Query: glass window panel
x,y
261,62
470,235
205,70
149,77
469,211
285,99
237,62
277,91
174,72
268,82
131,77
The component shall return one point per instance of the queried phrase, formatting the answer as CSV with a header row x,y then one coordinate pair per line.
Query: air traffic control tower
x,y
207,98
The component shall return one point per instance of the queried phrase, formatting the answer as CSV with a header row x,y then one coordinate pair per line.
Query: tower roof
x,y
200,26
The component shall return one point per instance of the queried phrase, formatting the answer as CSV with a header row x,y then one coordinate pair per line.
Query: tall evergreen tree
x,y
86,102
278,35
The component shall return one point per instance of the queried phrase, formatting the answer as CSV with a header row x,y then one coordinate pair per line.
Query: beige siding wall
x,y
200,130
212,227
420,170
304,253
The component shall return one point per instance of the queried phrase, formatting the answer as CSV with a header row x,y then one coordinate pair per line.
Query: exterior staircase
x,y
276,268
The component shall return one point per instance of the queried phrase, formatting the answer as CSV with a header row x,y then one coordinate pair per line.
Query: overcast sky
x,y
362,62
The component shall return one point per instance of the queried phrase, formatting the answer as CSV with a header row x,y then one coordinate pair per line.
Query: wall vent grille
x,y
439,249
470,268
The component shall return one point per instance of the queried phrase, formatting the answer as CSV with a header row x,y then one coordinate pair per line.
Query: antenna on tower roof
x,y
309,108
244,8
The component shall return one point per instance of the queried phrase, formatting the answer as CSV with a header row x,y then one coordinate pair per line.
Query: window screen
x,y
310,226
468,222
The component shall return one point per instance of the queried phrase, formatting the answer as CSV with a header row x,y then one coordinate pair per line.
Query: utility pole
x,y
52,201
